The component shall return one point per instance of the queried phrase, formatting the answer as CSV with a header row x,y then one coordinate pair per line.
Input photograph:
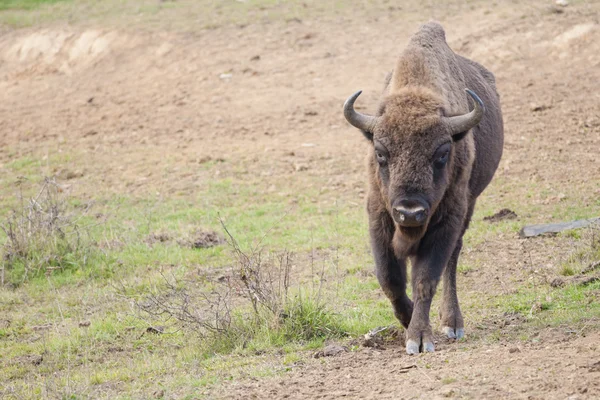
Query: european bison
x,y
431,158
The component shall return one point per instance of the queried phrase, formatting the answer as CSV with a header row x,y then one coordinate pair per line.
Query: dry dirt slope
x,y
118,95
137,112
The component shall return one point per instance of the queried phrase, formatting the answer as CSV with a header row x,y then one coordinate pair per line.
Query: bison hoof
x,y
453,333
413,347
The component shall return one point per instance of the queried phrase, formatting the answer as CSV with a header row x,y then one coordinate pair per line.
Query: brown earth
x,y
140,113
560,368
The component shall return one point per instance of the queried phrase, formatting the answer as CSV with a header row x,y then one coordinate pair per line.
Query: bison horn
x,y
356,119
462,123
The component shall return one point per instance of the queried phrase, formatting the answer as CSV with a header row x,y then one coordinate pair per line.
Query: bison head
x,y
414,151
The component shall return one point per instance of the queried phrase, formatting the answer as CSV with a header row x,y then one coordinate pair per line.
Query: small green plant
x,y
567,270
306,318
448,380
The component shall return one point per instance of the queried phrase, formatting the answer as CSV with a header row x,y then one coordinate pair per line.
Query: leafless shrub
x,y
204,312
41,236
266,285
256,296
250,282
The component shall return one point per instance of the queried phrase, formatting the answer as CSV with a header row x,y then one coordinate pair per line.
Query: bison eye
x,y
440,159
381,159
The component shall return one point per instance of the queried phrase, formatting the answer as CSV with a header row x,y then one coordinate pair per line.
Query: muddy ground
x,y
140,110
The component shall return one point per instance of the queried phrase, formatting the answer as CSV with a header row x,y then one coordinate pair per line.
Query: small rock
x,y
372,341
41,327
514,350
226,76
250,71
555,10
374,338
557,282
503,214
36,359
155,329
331,350
300,167
539,107
562,3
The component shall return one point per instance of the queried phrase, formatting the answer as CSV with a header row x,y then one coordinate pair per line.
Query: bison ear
x,y
368,135
459,136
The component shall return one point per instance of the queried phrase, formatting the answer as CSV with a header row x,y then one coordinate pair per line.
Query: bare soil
x,y
141,112
558,368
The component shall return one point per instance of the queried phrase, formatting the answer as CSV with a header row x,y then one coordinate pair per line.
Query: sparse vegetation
x,y
256,305
43,237
24,4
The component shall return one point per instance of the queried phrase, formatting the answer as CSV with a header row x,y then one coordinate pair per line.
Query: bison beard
x,y
429,161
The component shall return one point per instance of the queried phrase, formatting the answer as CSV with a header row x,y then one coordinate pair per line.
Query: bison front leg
x,y
452,320
428,264
390,271
392,279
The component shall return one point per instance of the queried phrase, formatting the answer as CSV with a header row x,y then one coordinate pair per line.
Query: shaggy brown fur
x,y
415,158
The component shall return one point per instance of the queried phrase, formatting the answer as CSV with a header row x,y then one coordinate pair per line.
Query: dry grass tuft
x,y
42,236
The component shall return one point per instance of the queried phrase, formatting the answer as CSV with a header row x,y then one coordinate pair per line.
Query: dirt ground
x,y
558,368
140,111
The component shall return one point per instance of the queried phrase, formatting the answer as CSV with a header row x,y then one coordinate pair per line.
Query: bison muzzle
x,y
432,155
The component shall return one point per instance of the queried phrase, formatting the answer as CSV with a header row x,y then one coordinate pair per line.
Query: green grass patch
x,y
302,323
549,306
25,4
